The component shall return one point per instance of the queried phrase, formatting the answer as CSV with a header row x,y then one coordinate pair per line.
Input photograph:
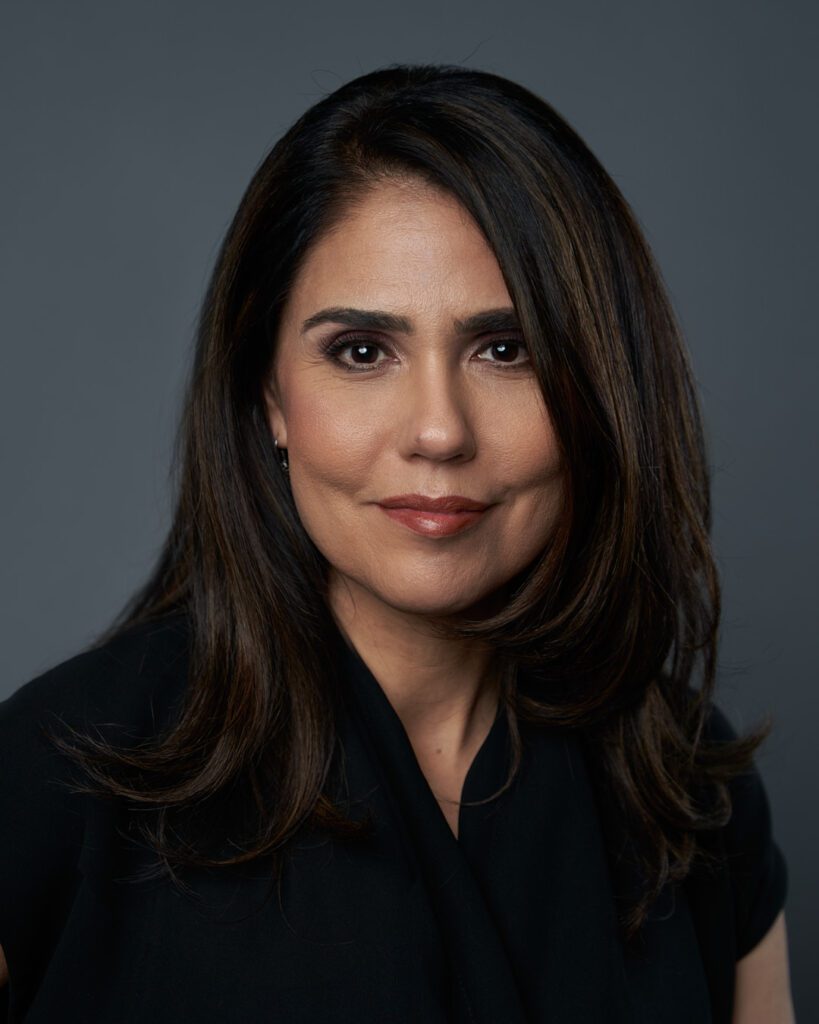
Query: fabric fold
x,y
482,984
525,897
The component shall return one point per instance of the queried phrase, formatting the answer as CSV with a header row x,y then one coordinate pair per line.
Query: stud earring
x,y
282,455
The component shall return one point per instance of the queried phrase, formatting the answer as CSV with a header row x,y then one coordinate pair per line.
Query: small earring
x,y
283,455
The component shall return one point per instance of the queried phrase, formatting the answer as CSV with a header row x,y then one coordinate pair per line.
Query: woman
x,y
403,725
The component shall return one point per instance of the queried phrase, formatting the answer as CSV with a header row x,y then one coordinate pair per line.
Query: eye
x,y
362,349
507,349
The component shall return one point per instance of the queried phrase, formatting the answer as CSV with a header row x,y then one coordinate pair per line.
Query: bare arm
x,y
4,971
763,989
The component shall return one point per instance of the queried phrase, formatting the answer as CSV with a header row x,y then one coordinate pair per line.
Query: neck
x,y
445,693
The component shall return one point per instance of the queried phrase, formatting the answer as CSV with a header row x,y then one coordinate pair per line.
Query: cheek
x,y
526,446
530,465
332,432
336,440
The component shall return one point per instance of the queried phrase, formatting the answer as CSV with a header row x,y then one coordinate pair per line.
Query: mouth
x,y
436,523
453,503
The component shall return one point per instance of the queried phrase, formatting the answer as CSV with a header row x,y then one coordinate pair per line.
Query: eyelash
x,y
333,346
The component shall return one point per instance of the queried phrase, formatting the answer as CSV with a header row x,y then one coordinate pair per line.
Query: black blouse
x,y
513,921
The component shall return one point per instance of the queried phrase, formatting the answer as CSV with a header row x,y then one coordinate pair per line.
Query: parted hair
x,y
615,622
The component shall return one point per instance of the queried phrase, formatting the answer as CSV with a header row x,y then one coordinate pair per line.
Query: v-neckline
x,y
483,981
479,768
524,873
483,771
474,770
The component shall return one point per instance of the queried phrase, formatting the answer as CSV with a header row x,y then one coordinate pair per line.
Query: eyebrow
x,y
501,319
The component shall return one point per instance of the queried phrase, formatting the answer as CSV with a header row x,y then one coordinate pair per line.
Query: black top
x,y
512,921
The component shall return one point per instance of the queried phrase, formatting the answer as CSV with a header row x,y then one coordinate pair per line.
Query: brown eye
x,y
506,350
363,351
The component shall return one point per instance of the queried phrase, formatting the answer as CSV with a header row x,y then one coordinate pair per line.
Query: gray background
x,y
129,133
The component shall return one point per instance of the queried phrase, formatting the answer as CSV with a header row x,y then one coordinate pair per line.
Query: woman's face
x,y
412,401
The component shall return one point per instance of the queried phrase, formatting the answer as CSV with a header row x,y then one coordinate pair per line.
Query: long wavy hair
x,y
614,619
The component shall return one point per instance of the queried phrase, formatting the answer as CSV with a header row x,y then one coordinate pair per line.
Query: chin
x,y
431,602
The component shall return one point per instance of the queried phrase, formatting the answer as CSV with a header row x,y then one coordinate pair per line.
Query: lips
x,y
421,503
434,517
434,524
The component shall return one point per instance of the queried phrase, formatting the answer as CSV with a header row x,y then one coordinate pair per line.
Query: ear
x,y
275,414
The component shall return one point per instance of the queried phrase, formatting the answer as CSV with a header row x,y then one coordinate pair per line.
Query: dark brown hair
x,y
612,621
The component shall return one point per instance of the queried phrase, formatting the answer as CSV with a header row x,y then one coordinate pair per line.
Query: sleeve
x,y
756,863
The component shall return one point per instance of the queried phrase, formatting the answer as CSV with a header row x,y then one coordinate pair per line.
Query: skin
x,y
763,986
428,412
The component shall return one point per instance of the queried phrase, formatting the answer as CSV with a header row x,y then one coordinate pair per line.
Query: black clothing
x,y
512,921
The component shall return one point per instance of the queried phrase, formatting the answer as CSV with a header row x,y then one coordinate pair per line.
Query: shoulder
x,y
750,825
121,690
116,681
756,864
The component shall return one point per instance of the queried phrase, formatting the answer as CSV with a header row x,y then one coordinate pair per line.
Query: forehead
x,y
401,246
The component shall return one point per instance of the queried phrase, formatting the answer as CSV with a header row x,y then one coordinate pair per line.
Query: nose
x,y
434,414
